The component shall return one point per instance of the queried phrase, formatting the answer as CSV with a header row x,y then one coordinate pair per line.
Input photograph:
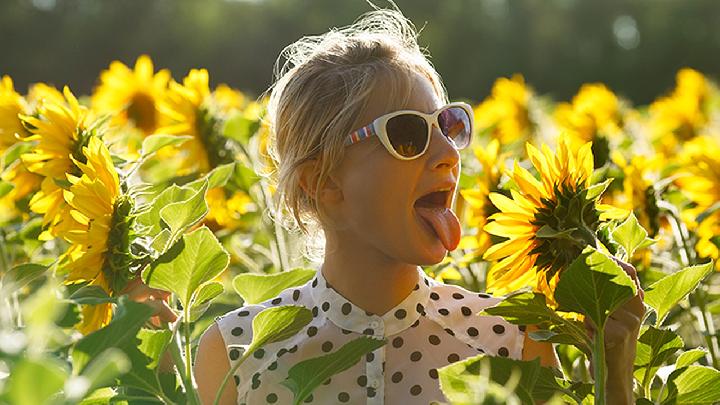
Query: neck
x,y
367,277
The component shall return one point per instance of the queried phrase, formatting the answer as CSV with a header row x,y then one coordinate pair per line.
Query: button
x,y
374,383
374,324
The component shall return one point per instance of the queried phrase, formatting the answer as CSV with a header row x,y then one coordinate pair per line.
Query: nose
x,y
441,151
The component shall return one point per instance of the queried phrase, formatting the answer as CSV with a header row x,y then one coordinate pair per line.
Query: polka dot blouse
x,y
436,324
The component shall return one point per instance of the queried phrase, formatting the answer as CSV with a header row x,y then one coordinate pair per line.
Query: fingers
x,y
162,312
632,272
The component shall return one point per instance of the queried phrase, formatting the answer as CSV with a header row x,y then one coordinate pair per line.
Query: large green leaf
x,y
694,385
195,259
256,288
529,308
153,343
217,177
594,285
275,324
664,294
308,374
689,357
654,348
462,382
120,333
180,216
91,295
153,143
631,235
34,381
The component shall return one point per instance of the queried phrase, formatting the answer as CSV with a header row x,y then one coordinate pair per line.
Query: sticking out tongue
x,y
445,223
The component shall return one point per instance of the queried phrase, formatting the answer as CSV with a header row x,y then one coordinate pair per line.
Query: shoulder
x,y
457,309
211,365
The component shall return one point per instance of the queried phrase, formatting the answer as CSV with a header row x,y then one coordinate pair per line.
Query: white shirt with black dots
x,y
436,324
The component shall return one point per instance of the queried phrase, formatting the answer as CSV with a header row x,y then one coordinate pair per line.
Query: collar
x,y
348,316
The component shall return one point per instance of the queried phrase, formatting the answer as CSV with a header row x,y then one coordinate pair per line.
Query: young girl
x,y
366,146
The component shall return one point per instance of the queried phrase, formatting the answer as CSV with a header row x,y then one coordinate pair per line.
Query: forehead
x,y
392,93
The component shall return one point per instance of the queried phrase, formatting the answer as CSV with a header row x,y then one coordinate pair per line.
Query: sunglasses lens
x,y
455,124
408,134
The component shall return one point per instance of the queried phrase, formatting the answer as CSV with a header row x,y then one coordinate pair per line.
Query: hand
x,y
140,292
621,333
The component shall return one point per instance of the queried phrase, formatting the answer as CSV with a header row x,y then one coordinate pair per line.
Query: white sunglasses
x,y
406,133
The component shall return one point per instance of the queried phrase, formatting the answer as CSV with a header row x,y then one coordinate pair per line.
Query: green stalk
x,y
230,372
182,367
190,387
599,368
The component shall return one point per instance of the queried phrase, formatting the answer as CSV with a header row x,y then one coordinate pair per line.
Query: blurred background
x,y
633,46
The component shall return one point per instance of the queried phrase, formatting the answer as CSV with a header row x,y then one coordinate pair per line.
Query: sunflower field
x,y
164,185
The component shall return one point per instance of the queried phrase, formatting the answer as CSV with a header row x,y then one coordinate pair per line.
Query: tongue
x,y
445,224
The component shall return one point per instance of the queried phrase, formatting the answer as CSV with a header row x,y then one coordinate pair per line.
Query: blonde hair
x,y
319,94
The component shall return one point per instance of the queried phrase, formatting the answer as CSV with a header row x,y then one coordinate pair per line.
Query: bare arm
x,y
543,350
211,365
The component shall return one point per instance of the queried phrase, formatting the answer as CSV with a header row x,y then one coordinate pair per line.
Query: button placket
x,y
376,377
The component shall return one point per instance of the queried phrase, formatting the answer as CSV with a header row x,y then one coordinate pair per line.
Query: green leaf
x,y
245,177
217,177
462,382
547,231
153,143
120,333
101,372
631,235
201,299
240,128
596,190
153,344
664,294
150,217
694,385
594,285
654,348
278,323
102,396
34,381
24,274
689,357
182,215
91,295
256,288
529,308
307,375
194,260
5,188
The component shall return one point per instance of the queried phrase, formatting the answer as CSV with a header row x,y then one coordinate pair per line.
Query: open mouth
x,y
436,199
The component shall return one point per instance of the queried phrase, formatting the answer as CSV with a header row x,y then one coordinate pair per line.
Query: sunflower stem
x,y
230,372
599,369
189,381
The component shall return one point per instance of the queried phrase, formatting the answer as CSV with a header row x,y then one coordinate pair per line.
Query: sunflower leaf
x,y
240,128
594,285
307,375
654,348
195,259
693,385
665,293
154,143
22,386
596,190
631,235
256,288
530,308
182,215
218,177
202,297
150,217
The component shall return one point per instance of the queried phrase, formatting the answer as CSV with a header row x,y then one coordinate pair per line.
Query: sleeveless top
x,y
436,324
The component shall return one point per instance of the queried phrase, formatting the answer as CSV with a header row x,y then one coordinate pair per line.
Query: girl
x,y
366,146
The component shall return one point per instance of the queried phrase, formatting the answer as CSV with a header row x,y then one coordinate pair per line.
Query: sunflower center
x,y
142,112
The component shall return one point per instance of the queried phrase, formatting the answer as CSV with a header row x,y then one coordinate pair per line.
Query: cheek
x,y
378,199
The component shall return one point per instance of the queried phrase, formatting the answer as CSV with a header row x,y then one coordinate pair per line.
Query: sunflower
x,y
547,222
60,130
226,211
699,180
682,115
11,105
131,95
100,232
228,100
592,116
506,113
479,206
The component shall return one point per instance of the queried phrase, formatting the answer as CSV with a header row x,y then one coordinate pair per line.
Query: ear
x,y
330,192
